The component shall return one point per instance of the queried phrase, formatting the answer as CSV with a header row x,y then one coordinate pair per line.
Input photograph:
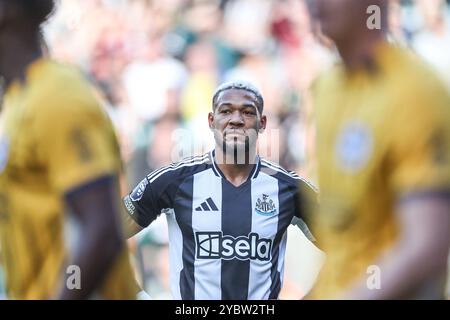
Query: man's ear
x,y
262,124
211,120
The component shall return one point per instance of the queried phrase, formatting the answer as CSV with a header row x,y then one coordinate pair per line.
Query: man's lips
x,y
235,133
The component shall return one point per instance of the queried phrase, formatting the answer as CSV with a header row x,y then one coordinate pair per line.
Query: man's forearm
x,y
401,273
95,207
94,257
419,255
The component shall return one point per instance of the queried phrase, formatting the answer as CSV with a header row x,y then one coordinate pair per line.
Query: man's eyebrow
x,y
229,104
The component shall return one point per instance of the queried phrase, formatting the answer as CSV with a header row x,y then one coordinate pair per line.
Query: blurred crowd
x,y
155,65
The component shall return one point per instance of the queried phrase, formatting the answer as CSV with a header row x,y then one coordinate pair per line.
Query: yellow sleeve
x,y
421,150
76,142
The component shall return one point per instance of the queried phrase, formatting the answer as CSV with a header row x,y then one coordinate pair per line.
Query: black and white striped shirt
x,y
226,242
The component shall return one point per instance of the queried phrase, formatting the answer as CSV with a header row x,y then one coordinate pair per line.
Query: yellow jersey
x,y
54,137
381,133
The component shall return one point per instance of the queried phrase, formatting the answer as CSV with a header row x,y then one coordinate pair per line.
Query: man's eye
x,y
225,111
249,113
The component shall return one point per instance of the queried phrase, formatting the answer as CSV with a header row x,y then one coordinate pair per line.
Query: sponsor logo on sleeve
x,y
138,192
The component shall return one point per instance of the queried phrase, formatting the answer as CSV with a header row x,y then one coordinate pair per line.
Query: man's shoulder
x,y
420,95
278,172
61,90
182,169
413,74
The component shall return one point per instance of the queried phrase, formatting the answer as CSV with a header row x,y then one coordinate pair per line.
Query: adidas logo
x,y
208,205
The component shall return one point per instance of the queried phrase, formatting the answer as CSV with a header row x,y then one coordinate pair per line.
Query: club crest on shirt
x,y
354,147
138,192
266,206
4,152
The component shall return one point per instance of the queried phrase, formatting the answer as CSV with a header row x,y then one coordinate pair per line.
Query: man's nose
x,y
237,119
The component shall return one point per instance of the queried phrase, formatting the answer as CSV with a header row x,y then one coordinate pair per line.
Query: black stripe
x,y
205,206
285,215
235,273
212,204
183,209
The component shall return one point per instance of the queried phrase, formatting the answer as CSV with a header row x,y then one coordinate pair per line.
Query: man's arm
x,y
131,226
420,253
142,206
96,208
299,223
306,204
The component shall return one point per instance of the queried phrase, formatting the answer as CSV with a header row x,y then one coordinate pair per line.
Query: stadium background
x,y
156,63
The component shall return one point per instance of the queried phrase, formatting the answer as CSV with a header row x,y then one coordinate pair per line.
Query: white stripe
x,y
207,271
190,159
290,174
207,205
266,227
274,165
175,165
178,167
280,170
176,254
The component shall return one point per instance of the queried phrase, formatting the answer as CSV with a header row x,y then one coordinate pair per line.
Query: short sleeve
x,y
306,199
420,153
153,195
76,142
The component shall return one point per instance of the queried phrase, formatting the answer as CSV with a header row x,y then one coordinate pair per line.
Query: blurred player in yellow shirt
x,y
383,147
59,159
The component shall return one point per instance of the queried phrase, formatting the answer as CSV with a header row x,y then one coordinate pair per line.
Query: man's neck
x,y
17,56
360,54
235,169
